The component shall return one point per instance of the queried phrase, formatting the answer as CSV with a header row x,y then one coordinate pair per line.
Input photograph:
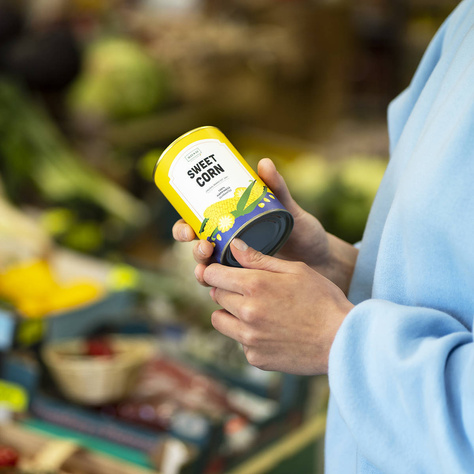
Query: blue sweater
x,y
401,369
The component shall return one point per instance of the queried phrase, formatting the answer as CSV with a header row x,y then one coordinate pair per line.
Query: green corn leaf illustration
x,y
213,235
203,225
243,200
252,206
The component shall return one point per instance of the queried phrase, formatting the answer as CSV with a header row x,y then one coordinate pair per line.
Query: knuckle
x,y
215,318
249,338
252,358
248,312
218,296
253,285
255,359
258,257
208,274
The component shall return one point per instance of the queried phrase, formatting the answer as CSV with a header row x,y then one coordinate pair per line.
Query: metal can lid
x,y
267,233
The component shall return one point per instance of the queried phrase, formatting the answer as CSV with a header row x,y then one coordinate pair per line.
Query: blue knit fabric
x,y
401,369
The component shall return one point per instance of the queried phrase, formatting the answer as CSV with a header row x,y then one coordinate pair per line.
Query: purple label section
x,y
221,239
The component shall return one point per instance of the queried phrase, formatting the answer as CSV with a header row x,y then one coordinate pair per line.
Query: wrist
x,y
335,314
340,262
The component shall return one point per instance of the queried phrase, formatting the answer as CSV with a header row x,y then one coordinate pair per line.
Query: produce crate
x,y
109,304
297,451
137,444
111,310
219,442
41,452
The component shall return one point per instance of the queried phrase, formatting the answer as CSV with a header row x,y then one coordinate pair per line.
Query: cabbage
x,y
119,80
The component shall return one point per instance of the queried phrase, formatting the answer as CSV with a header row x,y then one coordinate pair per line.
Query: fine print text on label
x,y
207,172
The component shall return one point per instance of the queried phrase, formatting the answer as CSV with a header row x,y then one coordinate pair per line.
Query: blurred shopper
x,y
399,348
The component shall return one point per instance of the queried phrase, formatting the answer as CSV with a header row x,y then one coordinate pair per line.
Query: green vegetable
x,y
345,205
119,80
33,150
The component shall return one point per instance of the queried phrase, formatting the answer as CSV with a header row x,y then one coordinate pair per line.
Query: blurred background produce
x,y
91,92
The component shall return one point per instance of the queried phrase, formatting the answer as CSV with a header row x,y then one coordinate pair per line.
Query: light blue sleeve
x,y
401,368
405,387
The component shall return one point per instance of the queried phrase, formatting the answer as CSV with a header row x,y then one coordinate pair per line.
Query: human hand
x,y
306,235
284,313
308,242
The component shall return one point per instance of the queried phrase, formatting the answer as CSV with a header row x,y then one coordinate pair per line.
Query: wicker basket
x,y
97,380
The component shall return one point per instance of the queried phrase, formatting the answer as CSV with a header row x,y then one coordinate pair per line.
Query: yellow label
x,y
13,396
204,176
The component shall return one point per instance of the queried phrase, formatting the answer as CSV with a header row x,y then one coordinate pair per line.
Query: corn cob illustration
x,y
214,213
254,194
220,216
221,207
225,222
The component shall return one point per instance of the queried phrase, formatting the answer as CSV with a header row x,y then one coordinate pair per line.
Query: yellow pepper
x,y
33,290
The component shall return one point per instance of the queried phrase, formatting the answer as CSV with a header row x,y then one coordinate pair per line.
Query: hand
x,y
284,313
308,237
308,242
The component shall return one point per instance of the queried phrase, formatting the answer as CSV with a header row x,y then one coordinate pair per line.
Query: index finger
x,y
237,280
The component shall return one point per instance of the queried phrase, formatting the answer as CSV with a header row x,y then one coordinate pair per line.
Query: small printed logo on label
x,y
195,153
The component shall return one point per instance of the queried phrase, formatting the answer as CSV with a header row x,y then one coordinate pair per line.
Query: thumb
x,y
253,259
268,172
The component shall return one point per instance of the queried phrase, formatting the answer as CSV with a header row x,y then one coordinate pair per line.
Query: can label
x,y
209,178
213,188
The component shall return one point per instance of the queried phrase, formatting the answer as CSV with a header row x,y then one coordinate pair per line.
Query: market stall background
x,y
91,92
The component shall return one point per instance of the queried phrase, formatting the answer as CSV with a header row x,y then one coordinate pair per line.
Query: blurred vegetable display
x,y
91,93
35,291
348,201
8,456
119,80
36,156
21,237
339,193
45,58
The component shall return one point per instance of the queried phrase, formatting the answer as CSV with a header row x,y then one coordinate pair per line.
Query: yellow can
x,y
219,195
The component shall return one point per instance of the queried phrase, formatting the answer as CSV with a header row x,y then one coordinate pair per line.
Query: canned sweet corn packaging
x,y
219,195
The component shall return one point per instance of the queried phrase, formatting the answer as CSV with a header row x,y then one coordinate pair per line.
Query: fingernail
x,y
240,245
184,233
200,250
